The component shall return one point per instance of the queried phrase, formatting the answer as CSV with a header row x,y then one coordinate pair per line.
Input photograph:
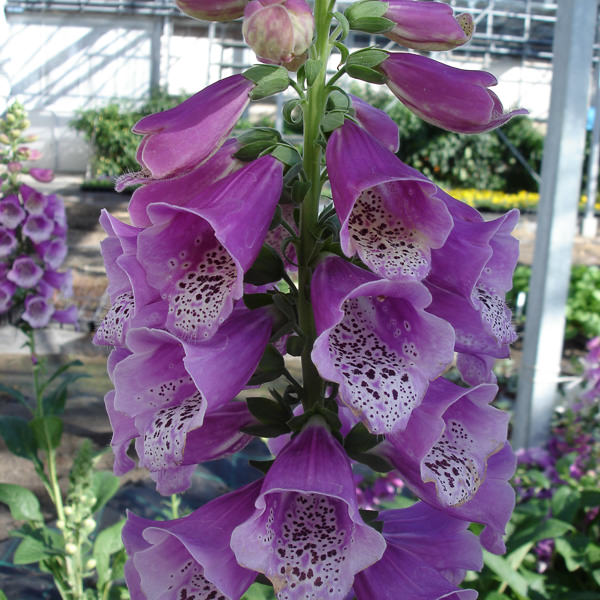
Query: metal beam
x,y
557,220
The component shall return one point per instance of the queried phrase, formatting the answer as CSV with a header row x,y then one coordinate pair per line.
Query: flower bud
x,y
90,564
43,175
68,511
212,10
60,524
4,139
70,548
280,32
14,167
89,523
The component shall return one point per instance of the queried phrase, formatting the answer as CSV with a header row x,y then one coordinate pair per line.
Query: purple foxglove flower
x,y
7,291
25,272
377,342
427,556
279,31
193,552
212,10
180,190
389,213
61,281
38,311
11,213
306,534
34,201
38,228
196,255
55,210
378,123
178,139
43,175
170,404
124,430
14,167
427,25
476,368
68,315
8,242
453,99
448,441
276,237
53,252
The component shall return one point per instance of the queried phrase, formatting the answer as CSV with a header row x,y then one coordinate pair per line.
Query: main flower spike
x,y
306,534
177,140
279,31
165,389
189,558
196,255
377,342
451,98
427,25
427,556
389,214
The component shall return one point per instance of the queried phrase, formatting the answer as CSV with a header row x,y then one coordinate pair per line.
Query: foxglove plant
x,y
236,255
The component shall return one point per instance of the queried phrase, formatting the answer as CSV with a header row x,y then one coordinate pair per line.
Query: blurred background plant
x,y
83,561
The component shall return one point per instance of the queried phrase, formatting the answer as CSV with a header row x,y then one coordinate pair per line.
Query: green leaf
x,y
332,120
294,345
47,431
366,8
268,411
312,68
343,51
506,573
262,465
269,430
2,595
372,24
271,367
104,487
107,543
31,550
366,74
267,267
18,437
253,301
360,439
369,57
14,393
286,154
258,591
22,503
253,150
572,549
60,371
269,80
565,504
343,21
54,402
550,528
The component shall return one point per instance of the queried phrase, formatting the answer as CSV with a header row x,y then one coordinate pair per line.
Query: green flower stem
x,y
73,561
314,107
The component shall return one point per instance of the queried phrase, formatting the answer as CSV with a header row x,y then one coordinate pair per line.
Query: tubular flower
x,y
193,552
164,405
306,534
454,456
279,31
453,99
377,341
378,123
8,242
427,25
177,140
38,228
11,213
43,175
25,272
212,10
389,214
427,555
196,255
34,202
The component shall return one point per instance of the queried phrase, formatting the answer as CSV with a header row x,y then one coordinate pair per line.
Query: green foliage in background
x,y
583,302
457,160
108,130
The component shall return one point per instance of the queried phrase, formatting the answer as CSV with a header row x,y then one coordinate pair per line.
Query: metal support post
x,y
589,225
557,220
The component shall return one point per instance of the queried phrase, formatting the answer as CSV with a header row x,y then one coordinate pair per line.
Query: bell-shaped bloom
x,y
378,123
14,167
68,315
38,228
180,190
38,311
43,175
167,390
11,212
53,252
277,237
389,214
427,25
55,210
427,555
196,255
35,202
451,98
279,31
177,140
306,534
377,342
8,242
7,291
193,552
61,281
212,10
25,272
453,455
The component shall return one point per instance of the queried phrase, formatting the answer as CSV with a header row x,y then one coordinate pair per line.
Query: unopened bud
x,y
68,510
4,139
60,524
212,10
90,564
89,523
70,548
279,32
